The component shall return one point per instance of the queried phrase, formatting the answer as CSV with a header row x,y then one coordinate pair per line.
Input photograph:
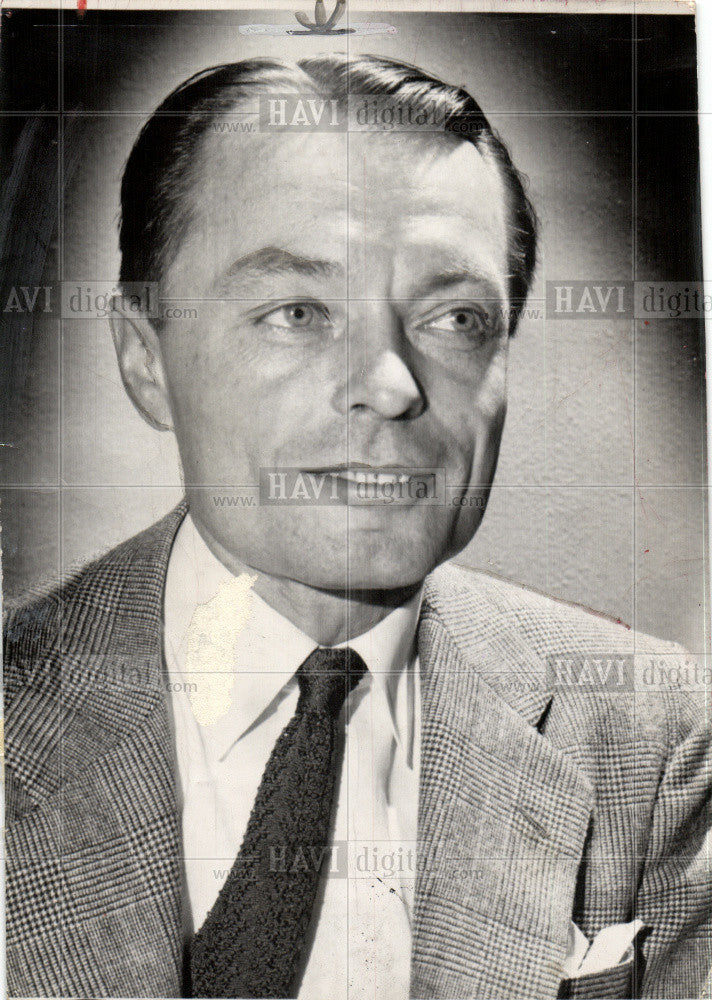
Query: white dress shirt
x,y
231,662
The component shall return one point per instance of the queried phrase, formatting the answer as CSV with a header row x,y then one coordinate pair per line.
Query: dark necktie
x,y
252,939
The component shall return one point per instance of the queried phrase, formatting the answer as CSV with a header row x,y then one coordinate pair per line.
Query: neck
x,y
327,616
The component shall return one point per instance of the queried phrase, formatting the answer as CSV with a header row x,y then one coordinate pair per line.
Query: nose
x,y
380,376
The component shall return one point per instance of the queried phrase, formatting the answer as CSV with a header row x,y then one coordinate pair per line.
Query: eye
x,y
298,316
462,320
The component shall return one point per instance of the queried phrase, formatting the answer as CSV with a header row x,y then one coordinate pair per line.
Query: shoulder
x,y
52,624
81,663
602,674
476,603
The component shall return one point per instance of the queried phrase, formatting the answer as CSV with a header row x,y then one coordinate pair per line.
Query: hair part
x,y
160,173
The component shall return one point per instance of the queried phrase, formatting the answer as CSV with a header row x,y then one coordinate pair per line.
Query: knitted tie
x,y
251,941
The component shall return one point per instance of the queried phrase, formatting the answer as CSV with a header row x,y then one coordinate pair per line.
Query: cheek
x,y
490,410
240,404
471,401
213,381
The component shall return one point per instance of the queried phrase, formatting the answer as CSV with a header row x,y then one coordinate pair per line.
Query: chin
x,y
390,570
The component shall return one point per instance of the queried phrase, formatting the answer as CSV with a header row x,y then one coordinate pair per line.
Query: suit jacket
x,y
540,800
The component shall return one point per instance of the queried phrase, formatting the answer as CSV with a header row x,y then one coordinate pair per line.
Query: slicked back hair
x,y
162,167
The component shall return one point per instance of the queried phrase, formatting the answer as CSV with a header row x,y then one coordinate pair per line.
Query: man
x,y
194,718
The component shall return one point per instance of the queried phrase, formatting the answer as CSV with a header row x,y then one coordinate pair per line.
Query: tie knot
x,y
327,677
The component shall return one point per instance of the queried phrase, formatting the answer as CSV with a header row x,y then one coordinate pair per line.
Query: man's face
x,y
351,297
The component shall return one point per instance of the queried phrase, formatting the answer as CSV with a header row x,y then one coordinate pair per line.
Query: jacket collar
x,y
475,612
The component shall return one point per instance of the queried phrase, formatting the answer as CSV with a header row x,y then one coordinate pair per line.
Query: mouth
x,y
359,484
386,475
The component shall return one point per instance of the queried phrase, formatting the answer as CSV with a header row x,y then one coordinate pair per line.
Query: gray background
x,y
599,497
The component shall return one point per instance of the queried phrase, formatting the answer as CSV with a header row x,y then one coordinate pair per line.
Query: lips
x,y
368,474
358,484
379,477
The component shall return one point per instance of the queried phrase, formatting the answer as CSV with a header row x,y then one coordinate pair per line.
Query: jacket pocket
x,y
610,984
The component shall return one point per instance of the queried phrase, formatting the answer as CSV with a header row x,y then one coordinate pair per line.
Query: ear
x,y
138,351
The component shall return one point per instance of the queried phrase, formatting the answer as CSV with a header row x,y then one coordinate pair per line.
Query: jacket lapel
x,y
108,894
503,815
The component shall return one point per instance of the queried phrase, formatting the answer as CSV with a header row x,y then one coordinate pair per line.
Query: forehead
x,y
365,198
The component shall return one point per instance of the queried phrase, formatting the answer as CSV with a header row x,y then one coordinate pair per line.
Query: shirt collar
x,y
389,651
247,644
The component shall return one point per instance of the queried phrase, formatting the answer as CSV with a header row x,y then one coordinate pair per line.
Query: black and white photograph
x,y
354,501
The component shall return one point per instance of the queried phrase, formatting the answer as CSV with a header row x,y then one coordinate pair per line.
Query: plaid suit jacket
x,y
540,801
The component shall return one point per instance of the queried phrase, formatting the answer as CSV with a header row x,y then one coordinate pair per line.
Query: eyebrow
x,y
275,260
458,276
272,260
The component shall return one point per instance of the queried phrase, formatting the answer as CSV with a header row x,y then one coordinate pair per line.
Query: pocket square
x,y
611,947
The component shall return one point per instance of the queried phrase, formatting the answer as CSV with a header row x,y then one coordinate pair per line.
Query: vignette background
x,y
600,492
